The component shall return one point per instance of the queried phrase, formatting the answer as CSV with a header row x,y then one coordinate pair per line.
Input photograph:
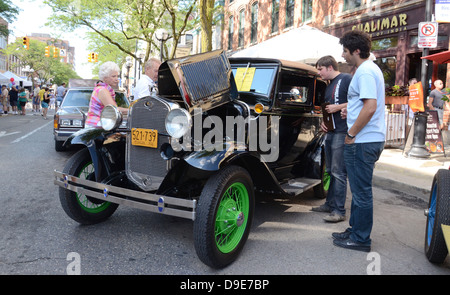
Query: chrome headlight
x,y
111,117
178,122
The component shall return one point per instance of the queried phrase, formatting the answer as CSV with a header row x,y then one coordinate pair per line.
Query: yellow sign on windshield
x,y
244,78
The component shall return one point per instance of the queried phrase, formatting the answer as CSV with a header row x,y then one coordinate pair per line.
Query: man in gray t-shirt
x,y
435,101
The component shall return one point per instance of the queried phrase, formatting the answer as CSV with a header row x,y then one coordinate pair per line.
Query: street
x,y
37,237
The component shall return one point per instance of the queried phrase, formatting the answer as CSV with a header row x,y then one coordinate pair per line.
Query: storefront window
x,y
387,66
351,4
384,43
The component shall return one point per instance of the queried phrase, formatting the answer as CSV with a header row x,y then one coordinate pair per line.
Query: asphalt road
x,y
36,236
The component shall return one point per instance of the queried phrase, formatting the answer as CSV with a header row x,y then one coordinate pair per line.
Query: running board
x,y
299,185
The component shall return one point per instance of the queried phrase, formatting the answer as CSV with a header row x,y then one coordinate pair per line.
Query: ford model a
x,y
219,132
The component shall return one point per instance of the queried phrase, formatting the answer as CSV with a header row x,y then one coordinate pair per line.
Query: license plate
x,y
144,137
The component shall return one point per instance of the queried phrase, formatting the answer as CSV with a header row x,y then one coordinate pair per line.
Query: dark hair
x,y
327,61
357,40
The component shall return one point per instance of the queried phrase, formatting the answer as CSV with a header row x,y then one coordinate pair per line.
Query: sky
x,y
32,19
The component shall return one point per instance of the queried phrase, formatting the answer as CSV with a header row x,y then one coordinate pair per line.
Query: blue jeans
x,y
334,161
360,161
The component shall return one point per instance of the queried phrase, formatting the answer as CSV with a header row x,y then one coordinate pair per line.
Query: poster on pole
x,y
433,137
442,11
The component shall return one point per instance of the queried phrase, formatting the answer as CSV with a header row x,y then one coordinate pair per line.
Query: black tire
x,y
59,146
213,208
77,206
438,213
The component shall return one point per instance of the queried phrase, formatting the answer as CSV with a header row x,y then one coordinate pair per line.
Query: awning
x,y
304,44
4,80
440,58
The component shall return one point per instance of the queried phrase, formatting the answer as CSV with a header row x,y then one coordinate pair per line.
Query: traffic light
x,y
47,51
26,43
55,51
93,57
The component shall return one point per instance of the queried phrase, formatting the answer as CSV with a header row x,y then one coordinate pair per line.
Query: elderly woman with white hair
x,y
103,93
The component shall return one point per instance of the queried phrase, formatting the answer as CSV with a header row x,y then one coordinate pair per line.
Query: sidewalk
x,y
394,170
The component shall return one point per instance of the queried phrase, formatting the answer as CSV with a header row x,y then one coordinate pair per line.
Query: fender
x,y
234,154
94,139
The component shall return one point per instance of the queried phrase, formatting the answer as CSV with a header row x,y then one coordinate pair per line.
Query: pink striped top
x,y
96,106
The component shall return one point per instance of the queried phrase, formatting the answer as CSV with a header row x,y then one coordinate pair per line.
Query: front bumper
x,y
128,197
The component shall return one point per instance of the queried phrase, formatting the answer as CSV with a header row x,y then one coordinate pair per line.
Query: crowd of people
x,y
16,100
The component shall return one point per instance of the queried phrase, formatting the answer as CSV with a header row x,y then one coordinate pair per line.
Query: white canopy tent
x,y
4,80
304,44
17,79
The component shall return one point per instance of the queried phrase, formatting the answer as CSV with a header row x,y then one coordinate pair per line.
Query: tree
x,y
135,20
45,68
9,12
206,9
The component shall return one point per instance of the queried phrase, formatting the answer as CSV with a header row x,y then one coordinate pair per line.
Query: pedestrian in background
x,y
365,138
36,99
22,100
13,99
435,101
45,102
60,92
148,82
336,100
5,101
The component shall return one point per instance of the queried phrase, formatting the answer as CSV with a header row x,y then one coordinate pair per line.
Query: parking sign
x,y
428,35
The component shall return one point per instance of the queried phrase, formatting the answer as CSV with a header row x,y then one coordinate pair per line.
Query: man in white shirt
x,y
148,80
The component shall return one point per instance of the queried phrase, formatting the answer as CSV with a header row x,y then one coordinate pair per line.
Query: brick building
x,y
393,26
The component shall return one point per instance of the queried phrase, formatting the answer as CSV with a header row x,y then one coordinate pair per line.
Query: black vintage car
x,y
220,132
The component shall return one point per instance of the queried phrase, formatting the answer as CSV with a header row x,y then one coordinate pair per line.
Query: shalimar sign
x,y
386,25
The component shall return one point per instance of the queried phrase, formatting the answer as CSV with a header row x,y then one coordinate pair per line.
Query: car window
x,y
254,79
295,89
77,98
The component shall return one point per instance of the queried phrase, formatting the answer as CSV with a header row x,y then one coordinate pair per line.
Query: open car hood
x,y
203,81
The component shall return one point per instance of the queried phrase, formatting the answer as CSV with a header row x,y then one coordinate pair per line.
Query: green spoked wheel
x,y
80,207
231,219
321,191
224,216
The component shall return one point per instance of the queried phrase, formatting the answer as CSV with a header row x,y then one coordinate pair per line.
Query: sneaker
x,y
334,217
322,208
352,245
341,236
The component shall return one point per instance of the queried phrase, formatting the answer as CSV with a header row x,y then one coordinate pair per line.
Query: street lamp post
x,y
418,149
161,35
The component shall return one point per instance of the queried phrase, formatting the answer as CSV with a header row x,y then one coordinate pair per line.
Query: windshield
x,y
254,79
81,98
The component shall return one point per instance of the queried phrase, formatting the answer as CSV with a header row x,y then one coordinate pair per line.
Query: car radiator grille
x,y
206,78
145,167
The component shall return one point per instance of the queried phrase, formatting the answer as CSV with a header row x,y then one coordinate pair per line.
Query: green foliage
x,y
45,68
9,12
120,21
397,90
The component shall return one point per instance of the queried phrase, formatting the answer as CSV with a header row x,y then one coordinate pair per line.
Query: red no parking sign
x,y
428,35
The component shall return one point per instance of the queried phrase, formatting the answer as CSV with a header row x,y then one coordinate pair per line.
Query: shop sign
x,y
386,25
428,35
442,11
